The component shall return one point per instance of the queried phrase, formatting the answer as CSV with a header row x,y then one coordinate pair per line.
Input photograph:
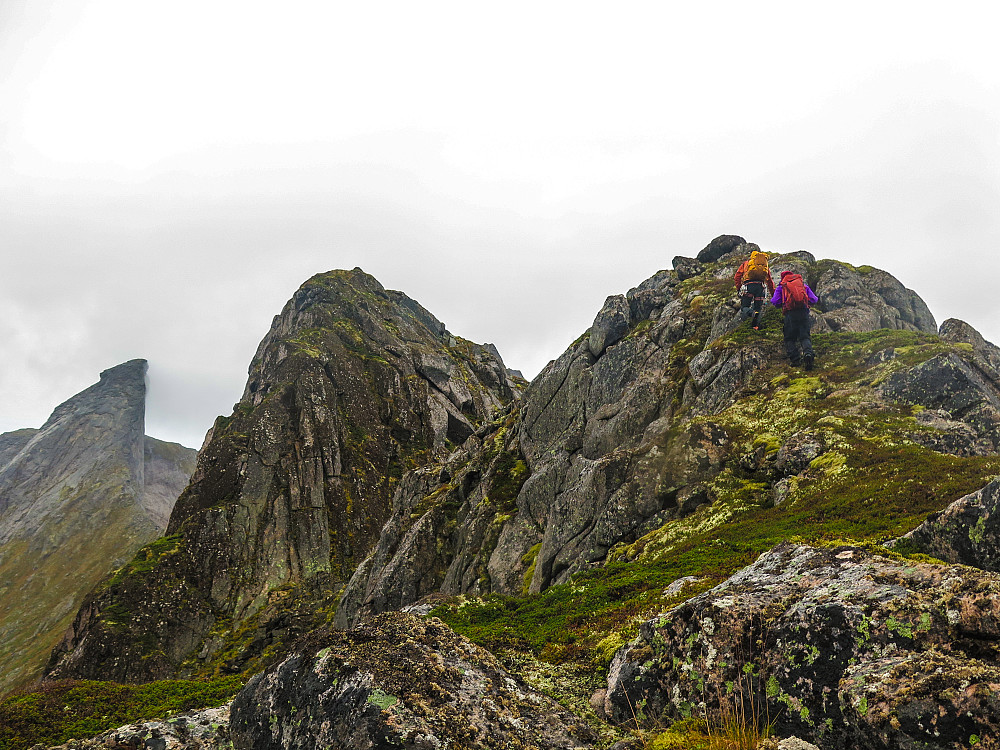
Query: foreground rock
x,y
78,498
838,646
400,681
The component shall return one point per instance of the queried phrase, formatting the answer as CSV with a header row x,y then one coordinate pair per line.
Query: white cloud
x,y
171,173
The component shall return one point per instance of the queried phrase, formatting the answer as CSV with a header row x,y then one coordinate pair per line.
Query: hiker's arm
x,y
776,297
813,299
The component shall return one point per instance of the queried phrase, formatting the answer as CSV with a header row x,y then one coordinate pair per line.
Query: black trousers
x,y
797,325
752,301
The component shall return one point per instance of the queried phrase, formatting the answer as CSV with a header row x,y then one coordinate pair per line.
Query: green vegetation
x,y
71,709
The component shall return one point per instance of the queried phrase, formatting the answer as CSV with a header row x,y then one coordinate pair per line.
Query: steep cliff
x,y
77,499
353,386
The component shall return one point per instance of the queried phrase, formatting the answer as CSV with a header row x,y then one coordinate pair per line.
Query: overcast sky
x,y
171,172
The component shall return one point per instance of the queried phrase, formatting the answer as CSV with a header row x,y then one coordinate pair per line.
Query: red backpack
x,y
793,292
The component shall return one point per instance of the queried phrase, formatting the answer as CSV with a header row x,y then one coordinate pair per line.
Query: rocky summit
x,y
78,498
670,531
353,387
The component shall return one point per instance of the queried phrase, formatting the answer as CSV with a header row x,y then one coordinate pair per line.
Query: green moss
x,y
382,700
529,560
70,709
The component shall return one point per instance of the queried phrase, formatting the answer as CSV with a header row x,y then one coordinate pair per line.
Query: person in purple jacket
x,y
794,297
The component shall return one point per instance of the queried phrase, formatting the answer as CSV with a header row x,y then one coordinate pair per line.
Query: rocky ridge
x,y
78,498
665,451
353,386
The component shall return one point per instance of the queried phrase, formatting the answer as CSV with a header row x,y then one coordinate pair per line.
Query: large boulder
x,y
721,245
948,383
838,646
967,531
866,299
399,681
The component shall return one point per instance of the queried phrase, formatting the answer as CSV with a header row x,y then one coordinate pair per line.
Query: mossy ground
x,y
72,709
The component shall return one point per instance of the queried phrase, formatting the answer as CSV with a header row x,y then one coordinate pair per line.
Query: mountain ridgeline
x,y
585,526
78,498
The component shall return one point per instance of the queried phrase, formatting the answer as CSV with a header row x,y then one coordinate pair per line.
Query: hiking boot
x,y
809,364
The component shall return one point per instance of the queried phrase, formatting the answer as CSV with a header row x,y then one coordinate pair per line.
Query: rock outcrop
x,y
353,386
77,499
837,645
966,532
616,435
400,681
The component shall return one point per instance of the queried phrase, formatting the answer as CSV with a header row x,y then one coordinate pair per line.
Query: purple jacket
x,y
776,299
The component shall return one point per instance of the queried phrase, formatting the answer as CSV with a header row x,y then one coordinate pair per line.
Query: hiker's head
x,y
787,273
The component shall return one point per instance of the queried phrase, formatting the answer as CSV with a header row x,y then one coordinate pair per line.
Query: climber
x,y
750,279
794,297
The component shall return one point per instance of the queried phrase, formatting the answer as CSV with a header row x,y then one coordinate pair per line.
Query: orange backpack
x,y
757,268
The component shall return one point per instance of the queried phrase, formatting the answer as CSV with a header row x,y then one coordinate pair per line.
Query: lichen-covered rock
x,y
947,382
987,355
399,681
686,268
353,386
967,531
838,646
207,729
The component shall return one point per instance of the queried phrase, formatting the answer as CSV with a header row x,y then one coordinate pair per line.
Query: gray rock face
x,y
77,498
867,299
400,681
961,390
838,646
987,355
966,532
352,386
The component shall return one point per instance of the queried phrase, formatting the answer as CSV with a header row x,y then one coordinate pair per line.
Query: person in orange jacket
x,y
751,277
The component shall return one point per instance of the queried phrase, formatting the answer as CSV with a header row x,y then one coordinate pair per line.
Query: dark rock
x,y
837,646
720,246
986,355
687,268
967,531
796,453
610,325
948,382
400,681
947,435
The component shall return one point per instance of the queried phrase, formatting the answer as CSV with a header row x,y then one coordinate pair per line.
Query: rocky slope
x,y
607,511
353,386
77,499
